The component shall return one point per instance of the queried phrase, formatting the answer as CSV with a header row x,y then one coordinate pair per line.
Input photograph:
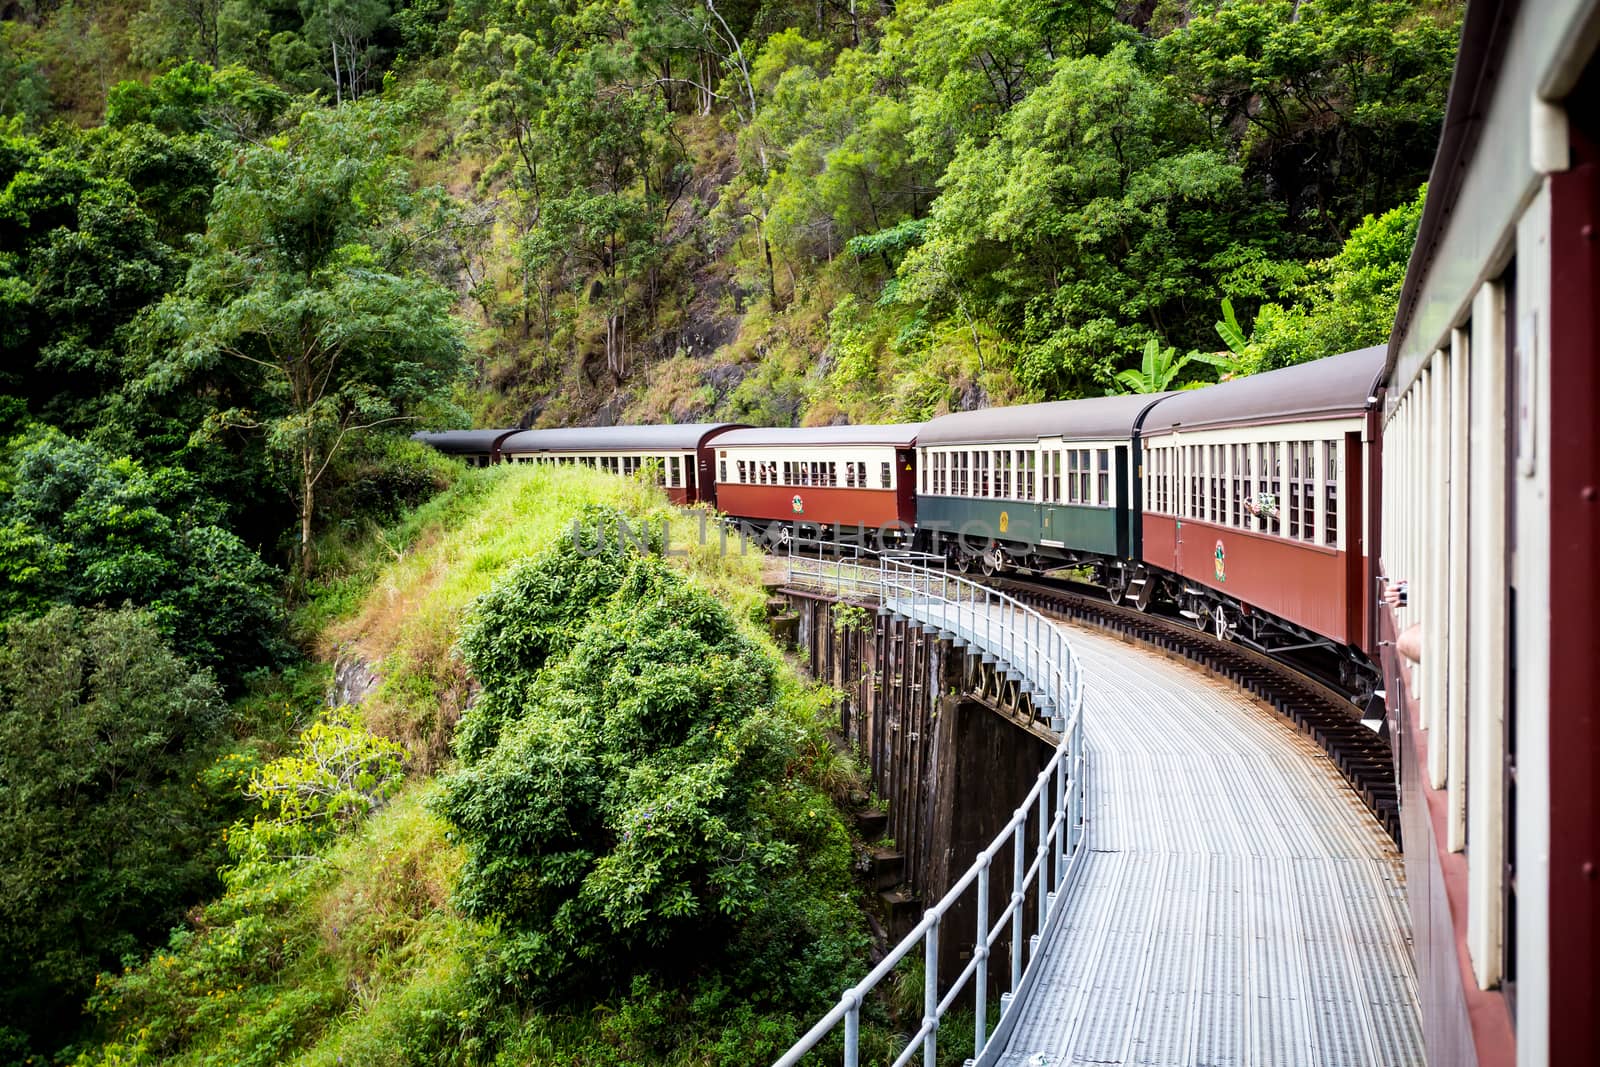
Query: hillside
x,y
796,214
369,914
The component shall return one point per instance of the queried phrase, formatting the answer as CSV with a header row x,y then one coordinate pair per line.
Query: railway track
x,y
1361,755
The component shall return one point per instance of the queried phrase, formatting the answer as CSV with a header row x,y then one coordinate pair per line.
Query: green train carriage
x,y
1036,487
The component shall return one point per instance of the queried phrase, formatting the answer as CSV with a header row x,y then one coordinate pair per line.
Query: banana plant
x,y
1235,362
1157,370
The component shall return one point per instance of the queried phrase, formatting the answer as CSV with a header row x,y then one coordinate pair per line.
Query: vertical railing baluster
x,y
981,998
930,996
852,1031
1019,844
1066,822
1044,852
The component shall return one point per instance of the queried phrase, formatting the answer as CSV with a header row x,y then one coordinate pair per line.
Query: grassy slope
x,y
359,957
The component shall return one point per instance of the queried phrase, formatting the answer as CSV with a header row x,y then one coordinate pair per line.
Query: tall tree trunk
x,y
308,490
333,46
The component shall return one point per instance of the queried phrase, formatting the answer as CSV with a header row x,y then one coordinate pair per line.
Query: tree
x,y
344,29
179,29
1339,101
1346,301
24,86
306,285
103,837
1085,226
624,797
78,526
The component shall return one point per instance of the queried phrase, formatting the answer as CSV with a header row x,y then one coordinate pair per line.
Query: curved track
x,y
1360,754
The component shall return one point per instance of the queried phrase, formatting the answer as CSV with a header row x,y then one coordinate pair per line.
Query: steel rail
x,y
1022,643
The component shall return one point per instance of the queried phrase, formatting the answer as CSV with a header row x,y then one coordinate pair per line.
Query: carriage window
x,y
1072,476
1002,473
1330,474
1308,491
1216,504
1197,481
1274,473
1294,489
743,476
885,474
849,475
1103,489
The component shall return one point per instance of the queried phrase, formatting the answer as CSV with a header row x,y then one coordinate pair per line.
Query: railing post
x,y
930,996
852,1030
1044,857
1018,845
1064,811
981,950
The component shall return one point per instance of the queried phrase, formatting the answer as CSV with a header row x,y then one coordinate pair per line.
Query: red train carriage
x,y
681,453
1254,498
1491,512
847,475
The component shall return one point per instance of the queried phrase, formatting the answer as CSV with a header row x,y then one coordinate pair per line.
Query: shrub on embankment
x,y
631,862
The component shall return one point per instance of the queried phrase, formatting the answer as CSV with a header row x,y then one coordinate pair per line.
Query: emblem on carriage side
x,y
1222,562
1005,521
798,504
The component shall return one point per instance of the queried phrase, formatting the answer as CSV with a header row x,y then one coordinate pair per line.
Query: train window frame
x,y
1293,481
1330,507
1310,520
1102,488
885,474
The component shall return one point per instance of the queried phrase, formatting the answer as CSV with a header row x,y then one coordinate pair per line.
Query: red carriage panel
x,y
1306,584
826,505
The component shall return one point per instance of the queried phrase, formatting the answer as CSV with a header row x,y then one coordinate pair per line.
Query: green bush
x,y
626,797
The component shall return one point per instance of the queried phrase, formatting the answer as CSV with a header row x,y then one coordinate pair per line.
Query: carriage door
x,y
1049,489
905,484
1122,517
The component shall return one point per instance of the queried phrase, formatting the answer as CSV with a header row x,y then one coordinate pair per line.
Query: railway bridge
x,y
1116,858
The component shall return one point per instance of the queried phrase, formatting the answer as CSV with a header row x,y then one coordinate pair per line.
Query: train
x,y
1239,505
1460,461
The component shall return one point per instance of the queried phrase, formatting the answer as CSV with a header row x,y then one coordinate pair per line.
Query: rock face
x,y
353,680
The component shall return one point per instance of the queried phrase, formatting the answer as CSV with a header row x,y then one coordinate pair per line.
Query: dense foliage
x,y
104,833
624,799
637,859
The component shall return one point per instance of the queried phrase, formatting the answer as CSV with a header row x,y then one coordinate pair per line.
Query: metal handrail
x,y
1022,641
